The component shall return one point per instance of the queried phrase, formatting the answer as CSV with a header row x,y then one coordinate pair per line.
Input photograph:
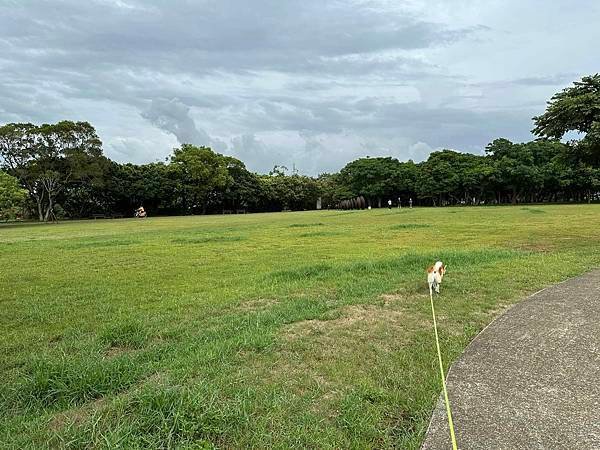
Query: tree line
x,y
52,171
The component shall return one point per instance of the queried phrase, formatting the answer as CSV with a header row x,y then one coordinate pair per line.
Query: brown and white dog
x,y
435,274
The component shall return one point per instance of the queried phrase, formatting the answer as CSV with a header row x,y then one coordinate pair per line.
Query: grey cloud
x,y
174,117
198,37
557,79
256,154
550,80
308,82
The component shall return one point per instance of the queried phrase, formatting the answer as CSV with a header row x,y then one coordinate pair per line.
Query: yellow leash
x,y
437,343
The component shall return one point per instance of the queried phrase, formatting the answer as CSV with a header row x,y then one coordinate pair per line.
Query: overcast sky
x,y
308,83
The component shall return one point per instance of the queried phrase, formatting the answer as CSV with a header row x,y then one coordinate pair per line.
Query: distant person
x,y
140,212
389,204
410,203
399,203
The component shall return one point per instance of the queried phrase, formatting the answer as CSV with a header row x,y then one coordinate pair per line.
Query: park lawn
x,y
308,329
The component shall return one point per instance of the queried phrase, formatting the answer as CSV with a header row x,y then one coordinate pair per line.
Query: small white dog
x,y
435,274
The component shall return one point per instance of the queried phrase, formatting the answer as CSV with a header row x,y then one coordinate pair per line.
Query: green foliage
x,y
576,108
375,178
243,189
288,192
332,190
48,158
12,197
202,173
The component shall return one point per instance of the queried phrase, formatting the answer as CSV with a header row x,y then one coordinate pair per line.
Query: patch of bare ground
x,y
358,328
156,379
535,247
55,339
257,304
494,312
315,327
75,416
78,415
392,298
314,355
115,351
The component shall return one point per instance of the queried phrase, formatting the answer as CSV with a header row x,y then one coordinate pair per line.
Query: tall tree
x,y
576,108
202,172
47,158
288,192
374,178
12,196
440,177
331,189
514,164
243,188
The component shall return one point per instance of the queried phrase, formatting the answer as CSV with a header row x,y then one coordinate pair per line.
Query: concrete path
x,y
530,380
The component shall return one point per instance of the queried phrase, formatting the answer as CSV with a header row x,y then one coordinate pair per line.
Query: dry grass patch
x,y
493,313
396,298
315,357
349,316
370,323
536,247
257,304
116,351
75,416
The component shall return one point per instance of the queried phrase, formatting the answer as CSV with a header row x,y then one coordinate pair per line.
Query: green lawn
x,y
270,330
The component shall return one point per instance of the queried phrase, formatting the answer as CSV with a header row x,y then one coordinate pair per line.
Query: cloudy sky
x,y
308,83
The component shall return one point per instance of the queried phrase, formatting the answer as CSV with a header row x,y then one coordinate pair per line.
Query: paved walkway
x,y
530,380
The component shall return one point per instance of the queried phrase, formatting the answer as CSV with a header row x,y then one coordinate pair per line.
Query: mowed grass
x,y
270,330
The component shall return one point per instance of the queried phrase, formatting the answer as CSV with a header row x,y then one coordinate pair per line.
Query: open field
x,y
270,330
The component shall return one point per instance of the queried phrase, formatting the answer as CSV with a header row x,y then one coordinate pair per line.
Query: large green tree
x,y
48,158
575,109
12,196
203,174
374,178
439,177
331,189
515,168
243,189
281,191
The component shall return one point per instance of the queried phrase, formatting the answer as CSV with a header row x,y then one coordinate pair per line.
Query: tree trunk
x,y
49,210
39,208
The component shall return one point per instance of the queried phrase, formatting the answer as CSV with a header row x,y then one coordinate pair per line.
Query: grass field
x,y
270,330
